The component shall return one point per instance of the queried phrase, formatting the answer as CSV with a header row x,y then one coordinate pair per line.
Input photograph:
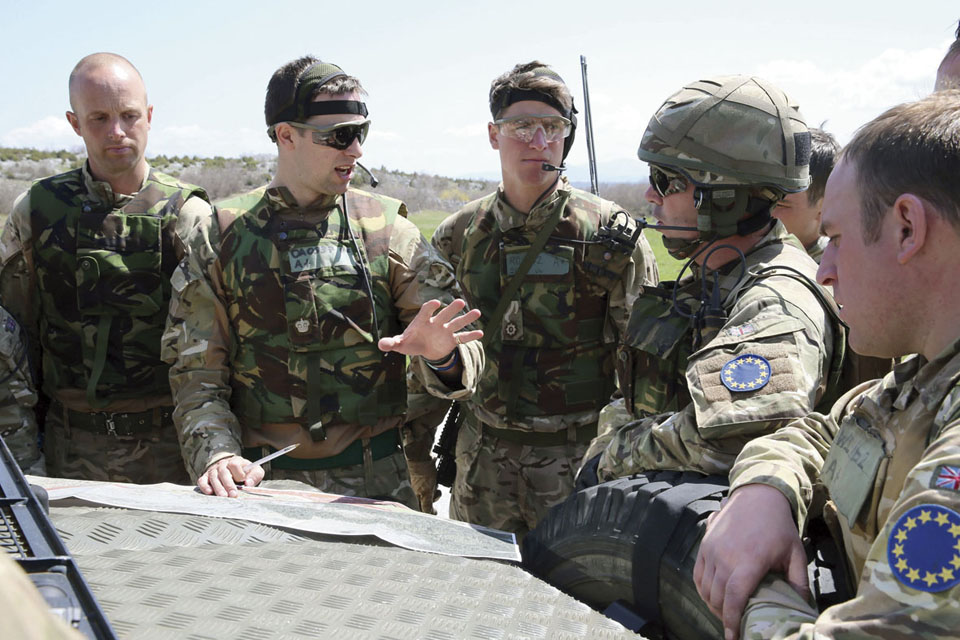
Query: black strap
x,y
322,108
661,517
528,259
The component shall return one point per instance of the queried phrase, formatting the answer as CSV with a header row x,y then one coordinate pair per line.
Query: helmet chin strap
x,y
720,214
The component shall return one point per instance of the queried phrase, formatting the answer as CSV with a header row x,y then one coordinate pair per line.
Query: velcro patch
x,y
924,548
324,255
776,357
946,477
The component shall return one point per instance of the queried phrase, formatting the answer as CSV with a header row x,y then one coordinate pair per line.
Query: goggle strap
x,y
323,108
333,107
516,95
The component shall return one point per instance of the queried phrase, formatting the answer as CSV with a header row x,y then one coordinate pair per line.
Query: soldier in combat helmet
x,y
550,339
284,318
87,257
749,341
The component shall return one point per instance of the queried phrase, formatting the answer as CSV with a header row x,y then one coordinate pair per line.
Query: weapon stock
x,y
446,447
588,123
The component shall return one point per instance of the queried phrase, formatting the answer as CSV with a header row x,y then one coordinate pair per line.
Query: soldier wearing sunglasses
x,y
552,328
293,315
749,339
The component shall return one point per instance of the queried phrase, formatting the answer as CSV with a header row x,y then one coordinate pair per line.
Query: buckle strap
x,y
118,423
571,435
380,446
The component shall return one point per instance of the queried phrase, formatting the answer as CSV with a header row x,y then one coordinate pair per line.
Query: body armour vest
x,y
298,298
661,335
104,284
548,355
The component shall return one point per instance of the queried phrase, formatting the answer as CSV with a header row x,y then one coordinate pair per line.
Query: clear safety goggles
x,y
339,136
524,128
666,182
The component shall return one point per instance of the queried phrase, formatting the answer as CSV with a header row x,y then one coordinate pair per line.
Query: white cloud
x,y
849,96
49,132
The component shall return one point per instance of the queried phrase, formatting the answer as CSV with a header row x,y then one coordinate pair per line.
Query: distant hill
x,y
223,177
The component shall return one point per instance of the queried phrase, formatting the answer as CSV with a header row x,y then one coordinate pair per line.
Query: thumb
x,y
388,343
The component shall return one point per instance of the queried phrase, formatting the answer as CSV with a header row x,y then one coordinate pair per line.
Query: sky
x,y
428,66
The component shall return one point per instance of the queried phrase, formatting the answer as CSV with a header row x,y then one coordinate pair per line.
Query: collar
x,y
282,201
510,218
101,191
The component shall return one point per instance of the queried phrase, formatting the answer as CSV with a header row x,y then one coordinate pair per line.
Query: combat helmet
x,y
740,141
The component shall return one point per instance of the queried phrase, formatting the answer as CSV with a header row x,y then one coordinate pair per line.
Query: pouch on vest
x,y
118,264
611,250
546,313
851,466
326,304
651,362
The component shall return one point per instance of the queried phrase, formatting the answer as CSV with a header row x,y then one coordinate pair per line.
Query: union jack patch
x,y
946,477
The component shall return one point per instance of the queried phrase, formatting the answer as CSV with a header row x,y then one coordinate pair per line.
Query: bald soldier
x,y
883,466
86,263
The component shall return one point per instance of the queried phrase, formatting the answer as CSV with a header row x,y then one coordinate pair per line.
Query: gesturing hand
x,y
433,333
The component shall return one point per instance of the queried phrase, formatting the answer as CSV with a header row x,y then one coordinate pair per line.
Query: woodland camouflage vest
x,y
104,280
305,339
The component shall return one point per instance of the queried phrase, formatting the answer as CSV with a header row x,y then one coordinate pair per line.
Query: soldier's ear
x,y
910,217
492,133
285,135
74,122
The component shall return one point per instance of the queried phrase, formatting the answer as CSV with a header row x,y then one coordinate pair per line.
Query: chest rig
x,y
104,279
548,356
298,287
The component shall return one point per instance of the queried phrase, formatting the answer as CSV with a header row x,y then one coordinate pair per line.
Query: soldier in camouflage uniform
x,y
883,467
748,342
283,317
550,357
800,211
87,257
18,397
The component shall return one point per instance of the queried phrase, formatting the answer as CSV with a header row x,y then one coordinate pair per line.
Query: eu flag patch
x,y
924,548
747,372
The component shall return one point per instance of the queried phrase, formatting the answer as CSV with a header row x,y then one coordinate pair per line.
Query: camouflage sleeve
x,y
794,351
790,459
417,274
197,342
19,342
442,241
194,212
910,583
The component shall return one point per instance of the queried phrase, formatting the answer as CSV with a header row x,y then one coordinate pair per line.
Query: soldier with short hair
x,y
553,324
87,257
283,320
748,341
800,211
882,467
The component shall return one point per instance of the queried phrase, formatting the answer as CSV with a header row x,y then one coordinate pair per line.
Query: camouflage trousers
x,y
508,485
386,478
144,458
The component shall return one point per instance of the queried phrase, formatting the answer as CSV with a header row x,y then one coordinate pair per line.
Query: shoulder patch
x,y
924,548
746,372
946,477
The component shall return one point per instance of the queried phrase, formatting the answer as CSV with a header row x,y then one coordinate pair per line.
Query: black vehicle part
x,y
28,536
628,548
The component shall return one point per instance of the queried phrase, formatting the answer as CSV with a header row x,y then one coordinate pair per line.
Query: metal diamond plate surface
x,y
171,576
